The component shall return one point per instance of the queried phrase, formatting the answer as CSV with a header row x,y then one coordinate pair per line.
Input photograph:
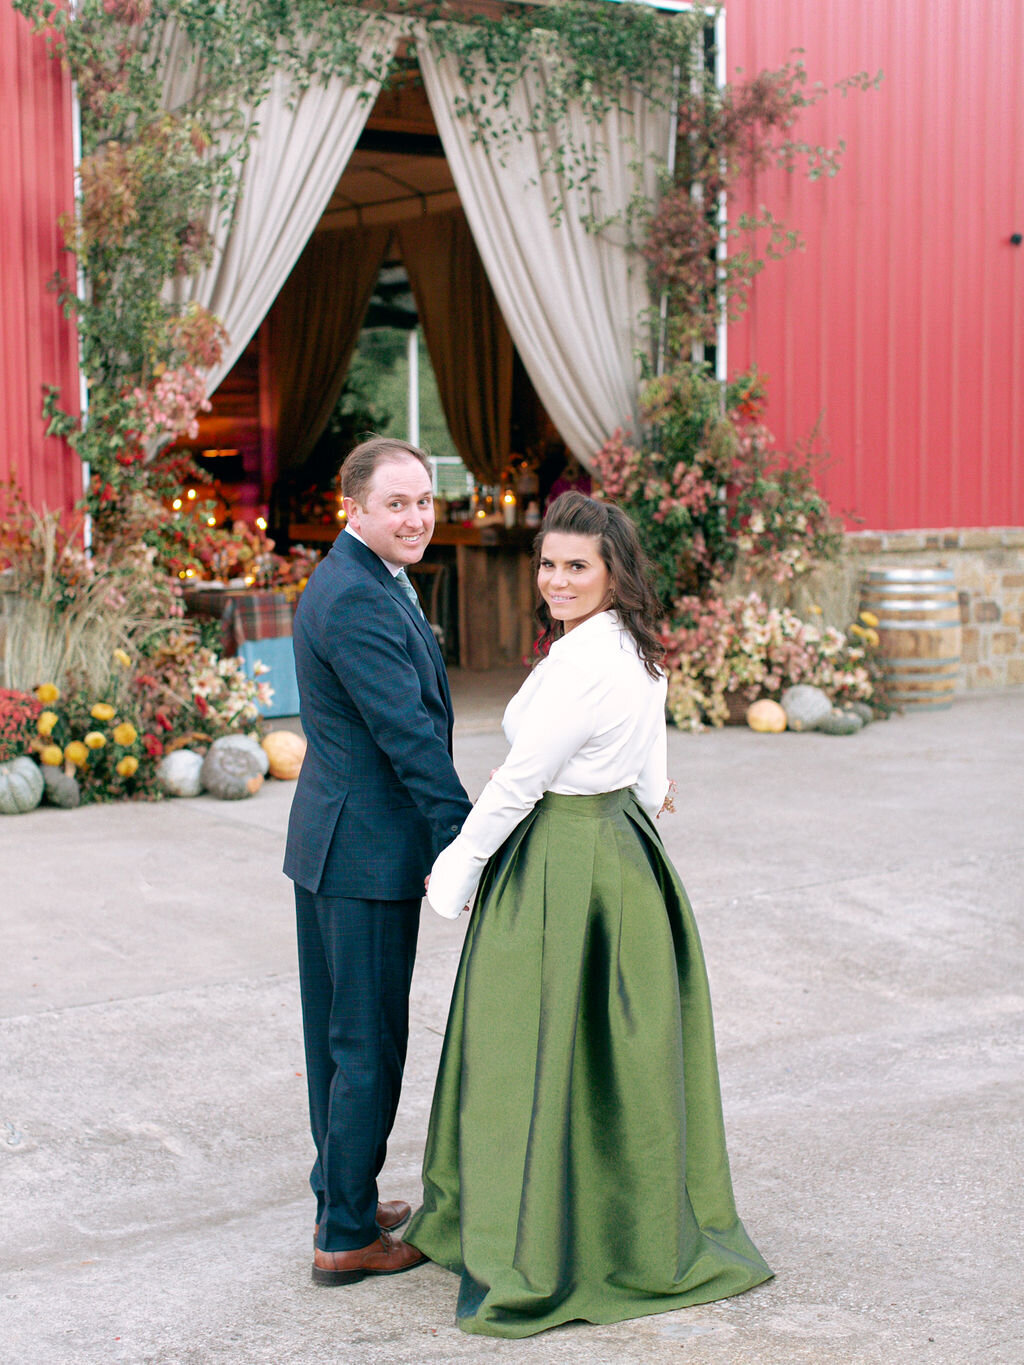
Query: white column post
x,y
413,350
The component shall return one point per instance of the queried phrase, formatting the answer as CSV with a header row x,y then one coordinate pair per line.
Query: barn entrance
x,y
387,323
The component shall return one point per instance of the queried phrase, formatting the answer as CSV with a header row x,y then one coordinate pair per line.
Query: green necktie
x,y
404,582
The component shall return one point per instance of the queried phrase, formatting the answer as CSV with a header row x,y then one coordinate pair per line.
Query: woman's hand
x,y
668,805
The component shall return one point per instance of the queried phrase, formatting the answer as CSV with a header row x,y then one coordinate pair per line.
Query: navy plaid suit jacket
x,y
378,797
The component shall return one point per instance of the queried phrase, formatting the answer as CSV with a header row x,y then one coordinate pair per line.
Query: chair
x,y
431,582
277,654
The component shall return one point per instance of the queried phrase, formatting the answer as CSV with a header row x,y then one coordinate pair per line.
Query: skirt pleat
x,y
575,1165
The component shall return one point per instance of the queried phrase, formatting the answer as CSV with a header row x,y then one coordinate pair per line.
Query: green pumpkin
x,y
61,788
21,786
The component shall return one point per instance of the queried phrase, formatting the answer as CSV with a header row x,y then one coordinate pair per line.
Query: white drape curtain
x,y
302,145
572,299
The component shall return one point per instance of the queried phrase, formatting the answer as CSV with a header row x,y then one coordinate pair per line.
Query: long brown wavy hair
x,y
619,546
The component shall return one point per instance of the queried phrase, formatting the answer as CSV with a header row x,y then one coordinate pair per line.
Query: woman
x,y
575,1165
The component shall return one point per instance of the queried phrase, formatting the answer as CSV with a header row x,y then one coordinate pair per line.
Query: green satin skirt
x,y
575,1165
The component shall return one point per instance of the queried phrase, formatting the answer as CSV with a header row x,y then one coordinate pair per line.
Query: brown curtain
x,y
315,323
469,344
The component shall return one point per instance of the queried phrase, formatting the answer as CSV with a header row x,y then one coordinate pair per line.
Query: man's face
x,y
397,520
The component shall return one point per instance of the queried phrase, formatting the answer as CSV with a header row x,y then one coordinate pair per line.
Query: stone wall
x,y
988,568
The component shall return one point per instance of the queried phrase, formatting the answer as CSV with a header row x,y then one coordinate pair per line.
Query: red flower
x,y
202,706
152,745
162,721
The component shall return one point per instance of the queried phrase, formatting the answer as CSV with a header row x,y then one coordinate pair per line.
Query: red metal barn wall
x,y
902,323
37,344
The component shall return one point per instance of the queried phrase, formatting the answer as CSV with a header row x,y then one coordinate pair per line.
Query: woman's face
x,y
573,578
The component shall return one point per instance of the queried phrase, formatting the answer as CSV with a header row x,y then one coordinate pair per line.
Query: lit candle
x,y
508,507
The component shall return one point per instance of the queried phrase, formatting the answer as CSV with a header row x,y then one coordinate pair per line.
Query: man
x,y
376,800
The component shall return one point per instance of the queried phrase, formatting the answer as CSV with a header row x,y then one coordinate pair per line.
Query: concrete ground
x,y
861,906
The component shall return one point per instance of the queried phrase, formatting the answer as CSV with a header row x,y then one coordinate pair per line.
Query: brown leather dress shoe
x,y
385,1256
391,1215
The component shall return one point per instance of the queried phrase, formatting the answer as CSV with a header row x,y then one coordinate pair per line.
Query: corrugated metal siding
x,y
902,324
37,344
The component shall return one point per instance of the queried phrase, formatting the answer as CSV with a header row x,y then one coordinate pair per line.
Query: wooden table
x,y
495,592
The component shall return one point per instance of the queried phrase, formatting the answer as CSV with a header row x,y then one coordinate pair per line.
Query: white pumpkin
x,y
21,786
179,773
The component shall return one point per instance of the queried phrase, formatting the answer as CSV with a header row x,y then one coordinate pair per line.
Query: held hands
x,y
668,805
426,887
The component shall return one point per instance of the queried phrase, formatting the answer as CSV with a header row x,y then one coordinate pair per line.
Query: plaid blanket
x,y
245,615
255,616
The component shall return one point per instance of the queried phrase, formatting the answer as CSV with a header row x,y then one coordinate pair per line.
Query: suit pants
x,y
355,968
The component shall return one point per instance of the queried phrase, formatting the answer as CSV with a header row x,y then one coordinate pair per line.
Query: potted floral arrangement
x,y
718,507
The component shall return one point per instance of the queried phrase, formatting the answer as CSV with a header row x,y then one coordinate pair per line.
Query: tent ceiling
x,y
382,186
398,169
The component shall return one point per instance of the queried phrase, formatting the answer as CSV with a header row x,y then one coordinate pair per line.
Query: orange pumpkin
x,y
285,751
766,716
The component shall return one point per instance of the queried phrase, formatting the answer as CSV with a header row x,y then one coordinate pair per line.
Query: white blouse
x,y
588,719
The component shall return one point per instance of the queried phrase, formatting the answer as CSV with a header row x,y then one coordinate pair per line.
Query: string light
x,y
191,495
176,504
261,523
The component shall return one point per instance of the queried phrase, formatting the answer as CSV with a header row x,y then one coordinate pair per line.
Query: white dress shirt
x,y
588,719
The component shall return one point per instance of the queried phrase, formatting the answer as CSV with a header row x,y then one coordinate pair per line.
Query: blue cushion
x,y
278,655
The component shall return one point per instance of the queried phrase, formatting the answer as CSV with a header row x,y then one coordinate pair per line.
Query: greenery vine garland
x,y
150,175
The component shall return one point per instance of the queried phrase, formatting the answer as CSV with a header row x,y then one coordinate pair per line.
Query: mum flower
x,y
46,722
125,734
102,711
47,692
77,753
128,765
869,618
123,657
94,740
52,755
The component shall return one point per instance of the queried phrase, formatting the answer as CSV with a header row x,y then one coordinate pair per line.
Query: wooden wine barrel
x,y
919,626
